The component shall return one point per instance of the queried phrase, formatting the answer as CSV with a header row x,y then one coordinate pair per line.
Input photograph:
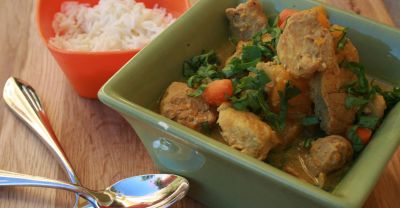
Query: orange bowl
x,y
88,71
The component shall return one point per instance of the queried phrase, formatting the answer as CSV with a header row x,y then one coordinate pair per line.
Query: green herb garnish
x,y
251,53
268,48
307,142
391,98
352,102
370,121
355,139
310,120
343,40
198,91
204,75
361,87
206,58
249,91
205,128
290,92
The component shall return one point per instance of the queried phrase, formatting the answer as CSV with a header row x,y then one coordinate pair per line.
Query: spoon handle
x,y
16,179
23,101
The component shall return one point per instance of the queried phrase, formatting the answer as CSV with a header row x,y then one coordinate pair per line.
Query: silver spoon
x,y
157,190
23,100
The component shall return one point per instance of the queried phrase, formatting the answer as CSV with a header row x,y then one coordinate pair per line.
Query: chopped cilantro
x,y
307,142
273,21
251,53
310,120
248,100
268,47
238,68
343,40
290,92
361,87
204,75
352,102
391,97
206,58
198,91
368,121
249,95
249,91
355,140
205,127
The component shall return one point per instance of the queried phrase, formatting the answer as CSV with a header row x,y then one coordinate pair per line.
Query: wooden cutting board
x,y
99,143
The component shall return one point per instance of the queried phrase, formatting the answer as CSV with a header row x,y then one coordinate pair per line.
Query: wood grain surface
x,y
101,146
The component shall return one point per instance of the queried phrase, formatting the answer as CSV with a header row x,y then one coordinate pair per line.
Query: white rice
x,y
111,25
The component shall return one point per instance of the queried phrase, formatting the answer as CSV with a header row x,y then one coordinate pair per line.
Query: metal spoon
x,y
24,102
157,190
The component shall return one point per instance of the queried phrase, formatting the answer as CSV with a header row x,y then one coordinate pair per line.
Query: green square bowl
x,y
221,176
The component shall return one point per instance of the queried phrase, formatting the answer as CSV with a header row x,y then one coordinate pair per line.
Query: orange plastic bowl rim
x,y
88,71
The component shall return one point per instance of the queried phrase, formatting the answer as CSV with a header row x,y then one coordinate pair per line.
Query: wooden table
x,y
99,143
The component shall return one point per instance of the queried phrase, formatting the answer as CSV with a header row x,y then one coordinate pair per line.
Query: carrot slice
x,y
364,134
322,16
284,15
218,91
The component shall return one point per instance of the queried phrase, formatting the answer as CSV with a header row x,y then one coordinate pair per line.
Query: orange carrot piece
x,y
364,134
218,91
322,16
284,15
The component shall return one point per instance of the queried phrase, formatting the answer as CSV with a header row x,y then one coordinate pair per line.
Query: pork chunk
x,y
331,153
189,111
246,19
245,132
305,46
329,98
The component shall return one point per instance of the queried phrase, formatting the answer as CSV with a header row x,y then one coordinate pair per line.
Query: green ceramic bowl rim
x,y
204,143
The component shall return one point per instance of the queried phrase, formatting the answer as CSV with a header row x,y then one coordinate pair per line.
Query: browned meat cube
x,y
329,98
245,132
331,153
305,46
246,19
186,110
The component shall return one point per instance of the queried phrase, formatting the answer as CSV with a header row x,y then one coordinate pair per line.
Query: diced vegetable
x,y
284,16
364,134
322,16
339,34
218,91
356,141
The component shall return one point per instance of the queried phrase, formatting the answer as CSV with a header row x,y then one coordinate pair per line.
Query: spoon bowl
x,y
154,190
